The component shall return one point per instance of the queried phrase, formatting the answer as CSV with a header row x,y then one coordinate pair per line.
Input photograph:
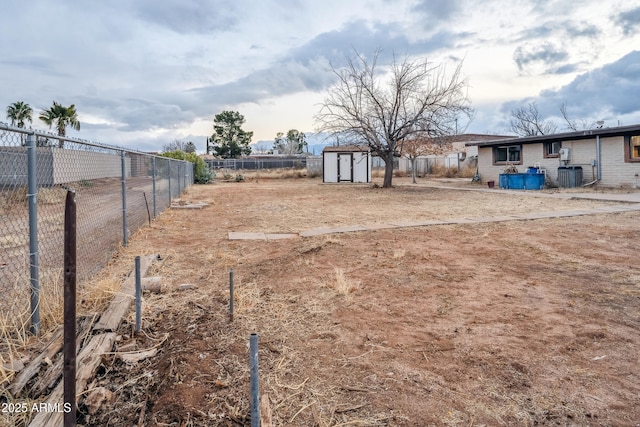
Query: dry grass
x,y
15,323
15,335
442,171
266,174
246,297
399,253
341,284
51,196
98,293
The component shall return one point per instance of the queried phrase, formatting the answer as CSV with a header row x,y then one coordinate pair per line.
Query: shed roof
x,y
346,149
565,136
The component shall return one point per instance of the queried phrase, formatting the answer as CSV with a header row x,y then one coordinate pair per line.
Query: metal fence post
x,y
125,239
32,189
169,168
153,173
138,295
231,295
254,380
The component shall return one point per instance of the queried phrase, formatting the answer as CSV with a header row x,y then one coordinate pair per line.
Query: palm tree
x,y
61,117
19,112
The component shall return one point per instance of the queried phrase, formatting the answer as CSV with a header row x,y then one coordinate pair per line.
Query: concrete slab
x,y
322,231
281,236
419,223
372,227
189,206
461,221
234,235
316,232
494,218
628,208
562,214
539,215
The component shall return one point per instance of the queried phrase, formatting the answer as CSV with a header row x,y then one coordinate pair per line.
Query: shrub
x,y
201,173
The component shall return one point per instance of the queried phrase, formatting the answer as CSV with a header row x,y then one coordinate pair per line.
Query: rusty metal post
x,y
70,308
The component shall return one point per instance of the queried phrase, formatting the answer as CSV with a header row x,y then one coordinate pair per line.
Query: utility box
x,y
569,176
564,154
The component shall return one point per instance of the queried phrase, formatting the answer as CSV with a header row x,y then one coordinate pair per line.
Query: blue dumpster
x,y
522,181
512,181
534,181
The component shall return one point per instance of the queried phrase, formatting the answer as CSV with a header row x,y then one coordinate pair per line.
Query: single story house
x,y
346,163
609,157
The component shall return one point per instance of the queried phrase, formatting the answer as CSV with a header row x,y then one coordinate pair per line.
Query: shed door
x,y
345,165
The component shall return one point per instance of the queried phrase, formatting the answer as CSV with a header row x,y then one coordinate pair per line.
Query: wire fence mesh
x,y
117,192
253,163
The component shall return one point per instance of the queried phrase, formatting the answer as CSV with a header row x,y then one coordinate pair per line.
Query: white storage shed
x,y
347,163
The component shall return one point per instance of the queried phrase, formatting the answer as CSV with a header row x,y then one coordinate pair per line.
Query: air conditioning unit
x,y
564,154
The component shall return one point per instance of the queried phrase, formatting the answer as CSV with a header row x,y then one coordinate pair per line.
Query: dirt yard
x,y
516,323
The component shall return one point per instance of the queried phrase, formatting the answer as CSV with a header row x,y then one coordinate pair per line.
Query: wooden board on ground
x,y
88,361
33,368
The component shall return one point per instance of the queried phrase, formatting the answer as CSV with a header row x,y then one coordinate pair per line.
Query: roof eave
x,y
565,136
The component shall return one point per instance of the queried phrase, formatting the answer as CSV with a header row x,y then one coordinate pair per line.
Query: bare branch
x,y
526,121
574,124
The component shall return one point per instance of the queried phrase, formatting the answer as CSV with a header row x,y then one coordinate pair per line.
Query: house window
x,y
552,149
632,148
635,147
507,154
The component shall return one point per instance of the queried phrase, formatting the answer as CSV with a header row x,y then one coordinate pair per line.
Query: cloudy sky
x,y
143,73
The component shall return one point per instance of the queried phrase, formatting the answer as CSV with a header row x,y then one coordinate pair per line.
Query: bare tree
x,y
177,145
574,124
526,121
424,146
413,97
174,145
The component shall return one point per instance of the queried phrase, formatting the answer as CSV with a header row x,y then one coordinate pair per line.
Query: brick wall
x,y
615,172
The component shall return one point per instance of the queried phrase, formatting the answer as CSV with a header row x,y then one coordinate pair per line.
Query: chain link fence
x,y
117,190
254,163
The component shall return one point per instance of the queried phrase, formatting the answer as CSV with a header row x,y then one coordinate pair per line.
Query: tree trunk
x,y
413,169
388,170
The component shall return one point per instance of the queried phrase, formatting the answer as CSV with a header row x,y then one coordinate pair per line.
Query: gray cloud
x,y
307,68
587,30
562,29
33,63
437,9
567,53
364,38
188,16
594,95
546,54
628,20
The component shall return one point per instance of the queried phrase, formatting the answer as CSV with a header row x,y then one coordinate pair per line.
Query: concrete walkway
x,y
630,202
